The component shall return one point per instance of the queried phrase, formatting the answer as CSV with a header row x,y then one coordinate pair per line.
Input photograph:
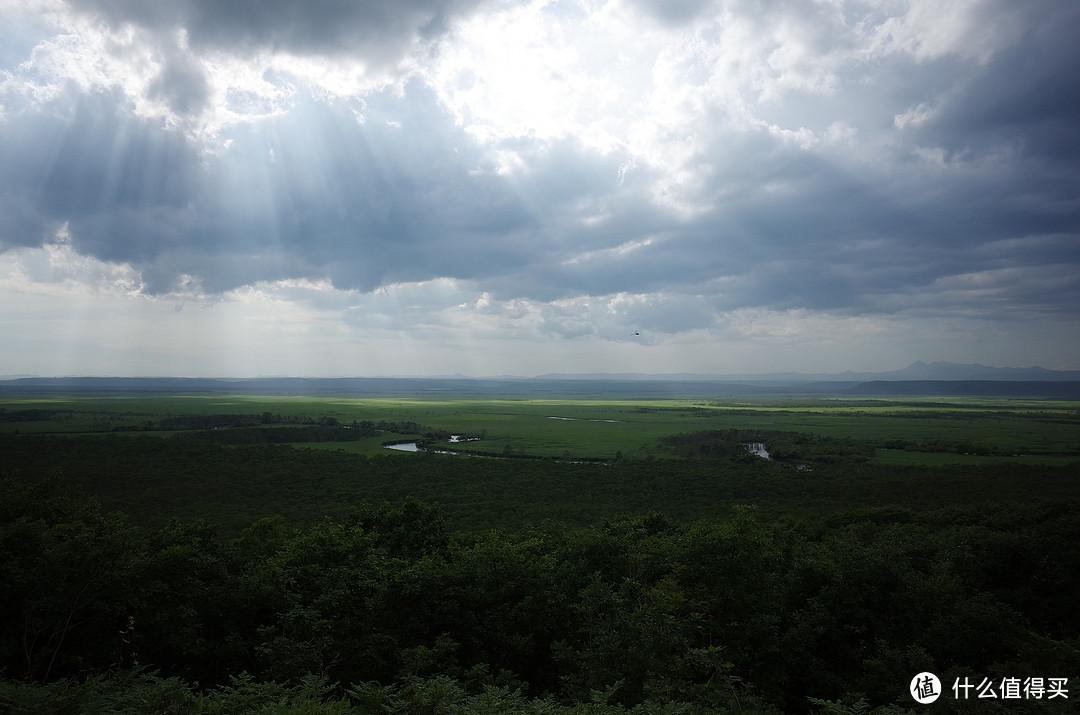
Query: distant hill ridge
x,y
917,370
951,371
938,379
969,388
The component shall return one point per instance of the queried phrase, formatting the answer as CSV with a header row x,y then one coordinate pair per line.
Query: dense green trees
x,y
790,446
252,575
153,480
64,565
385,609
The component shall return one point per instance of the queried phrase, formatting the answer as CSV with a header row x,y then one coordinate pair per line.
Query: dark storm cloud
x,y
123,182
993,164
405,195
366,203
91,164
1027,96
797,229
981,180
379,31
181,83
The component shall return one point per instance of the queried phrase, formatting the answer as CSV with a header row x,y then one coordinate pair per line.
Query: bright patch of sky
x,y
528,186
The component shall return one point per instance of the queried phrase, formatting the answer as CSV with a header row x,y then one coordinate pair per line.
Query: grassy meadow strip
x,y
597,429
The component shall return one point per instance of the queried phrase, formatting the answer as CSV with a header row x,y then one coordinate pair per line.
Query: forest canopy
x,y
169,570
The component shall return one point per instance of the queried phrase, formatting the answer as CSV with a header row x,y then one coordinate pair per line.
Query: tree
x,y
66,567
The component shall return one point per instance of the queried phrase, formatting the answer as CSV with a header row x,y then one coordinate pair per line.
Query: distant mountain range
x,y
939,378
915,371
1060,389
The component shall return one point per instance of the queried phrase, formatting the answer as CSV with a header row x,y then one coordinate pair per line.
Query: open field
x,y
572,459
923,430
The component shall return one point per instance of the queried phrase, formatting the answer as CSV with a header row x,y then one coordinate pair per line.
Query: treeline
x,y
239,421
33,414
287,434
962,447
386,609
790,446
155,479
802,447
265,428
819,449
275,435
215,421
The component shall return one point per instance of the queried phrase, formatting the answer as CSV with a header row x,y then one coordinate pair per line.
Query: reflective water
x,y
757,448
403,446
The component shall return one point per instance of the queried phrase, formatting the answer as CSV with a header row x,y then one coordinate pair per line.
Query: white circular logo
x,y
925,687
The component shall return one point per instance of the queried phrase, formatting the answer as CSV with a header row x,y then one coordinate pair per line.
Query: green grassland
x,y
601,429
235,459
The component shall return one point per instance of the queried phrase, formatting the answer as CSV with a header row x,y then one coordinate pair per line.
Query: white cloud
x,y
56,269
914,117
930,29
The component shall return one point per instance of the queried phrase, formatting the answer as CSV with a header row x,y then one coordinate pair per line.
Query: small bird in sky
x,y
635,333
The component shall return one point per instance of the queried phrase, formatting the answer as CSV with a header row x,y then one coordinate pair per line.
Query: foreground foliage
x,y
385,609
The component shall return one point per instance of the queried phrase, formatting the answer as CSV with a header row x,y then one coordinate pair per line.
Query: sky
x,y
490,187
